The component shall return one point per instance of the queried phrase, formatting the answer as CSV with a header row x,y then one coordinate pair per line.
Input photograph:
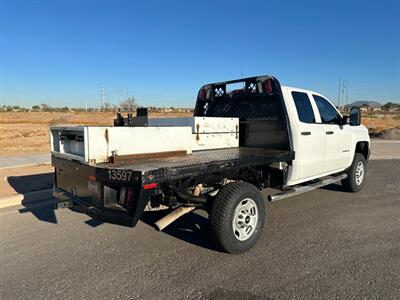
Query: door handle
x,y
328,132
305,133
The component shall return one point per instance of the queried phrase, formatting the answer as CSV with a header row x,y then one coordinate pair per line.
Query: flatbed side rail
x,y
306,188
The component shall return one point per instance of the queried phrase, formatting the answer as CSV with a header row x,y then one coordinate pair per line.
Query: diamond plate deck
x,y
202,162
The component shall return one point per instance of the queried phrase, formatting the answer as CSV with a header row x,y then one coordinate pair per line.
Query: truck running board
x,y
306,188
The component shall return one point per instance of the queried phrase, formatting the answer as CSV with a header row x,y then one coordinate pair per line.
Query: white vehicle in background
x,y
239,141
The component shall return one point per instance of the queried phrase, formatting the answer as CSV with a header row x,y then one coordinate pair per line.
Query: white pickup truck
x,y
239,141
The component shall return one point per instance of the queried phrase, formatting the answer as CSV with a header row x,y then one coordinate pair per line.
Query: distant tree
x,y
390,105
386,106
36,107
129,104
44,107
107,106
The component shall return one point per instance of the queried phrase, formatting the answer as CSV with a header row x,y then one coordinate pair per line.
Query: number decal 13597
x,y
120,175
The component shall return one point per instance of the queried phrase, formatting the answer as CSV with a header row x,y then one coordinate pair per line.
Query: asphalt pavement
x,y
385,149
325,244
24,160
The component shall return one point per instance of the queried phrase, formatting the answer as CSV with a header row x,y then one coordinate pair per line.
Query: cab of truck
x,y
325,141
289,119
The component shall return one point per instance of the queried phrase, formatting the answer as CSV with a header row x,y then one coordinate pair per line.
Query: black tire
x,y
352,183
223,213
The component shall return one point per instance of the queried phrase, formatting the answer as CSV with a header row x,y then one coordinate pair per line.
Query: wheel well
x,y
363,148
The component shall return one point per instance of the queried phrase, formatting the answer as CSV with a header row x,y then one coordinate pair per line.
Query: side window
x,y
328,113
303,106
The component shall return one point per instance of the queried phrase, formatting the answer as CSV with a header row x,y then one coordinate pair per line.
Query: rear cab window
x,y
303,106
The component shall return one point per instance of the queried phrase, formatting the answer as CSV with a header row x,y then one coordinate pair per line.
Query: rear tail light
x,y
202,93
129,198
268,87
125,197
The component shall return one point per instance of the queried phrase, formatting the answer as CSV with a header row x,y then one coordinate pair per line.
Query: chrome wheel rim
x,y
245,219
359,173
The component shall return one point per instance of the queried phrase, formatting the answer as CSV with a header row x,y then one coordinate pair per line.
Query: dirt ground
x,y
377,123
21,180
27,132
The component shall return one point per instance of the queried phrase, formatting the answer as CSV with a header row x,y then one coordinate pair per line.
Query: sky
x,y
63,52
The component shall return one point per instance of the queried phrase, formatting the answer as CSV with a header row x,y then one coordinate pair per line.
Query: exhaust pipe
x,y
172,216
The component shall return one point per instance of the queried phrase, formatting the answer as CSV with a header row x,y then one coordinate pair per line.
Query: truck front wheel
x,y
356,174
237,217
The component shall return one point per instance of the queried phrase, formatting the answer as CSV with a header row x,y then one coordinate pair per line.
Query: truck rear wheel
x,y
356,174
237,217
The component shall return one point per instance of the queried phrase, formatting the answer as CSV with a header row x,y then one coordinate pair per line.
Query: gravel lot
x,y
324,244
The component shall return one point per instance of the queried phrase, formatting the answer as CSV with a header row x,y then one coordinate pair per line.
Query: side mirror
x,y
355,116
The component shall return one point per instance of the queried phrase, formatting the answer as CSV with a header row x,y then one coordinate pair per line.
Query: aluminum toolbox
x,y
97,144
207,132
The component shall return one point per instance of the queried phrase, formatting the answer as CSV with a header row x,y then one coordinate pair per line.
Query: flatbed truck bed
x,y
145,174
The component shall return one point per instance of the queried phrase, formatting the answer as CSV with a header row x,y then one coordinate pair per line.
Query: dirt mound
x,y
388,134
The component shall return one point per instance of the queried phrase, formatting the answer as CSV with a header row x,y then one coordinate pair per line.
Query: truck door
x,y
310,152
337,136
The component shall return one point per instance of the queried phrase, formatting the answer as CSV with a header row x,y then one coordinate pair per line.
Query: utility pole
x,y
102,97
121,95
85,104
343,89
340,86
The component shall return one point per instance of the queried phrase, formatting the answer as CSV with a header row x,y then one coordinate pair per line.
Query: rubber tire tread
x,y
222,212
349,184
